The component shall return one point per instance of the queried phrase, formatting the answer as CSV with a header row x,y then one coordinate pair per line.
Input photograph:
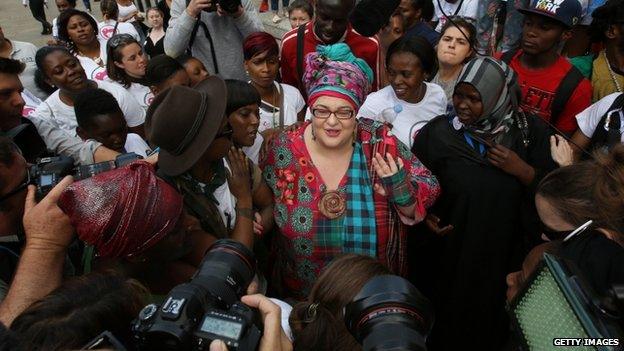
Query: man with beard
x,y
330,26
13,183
551,87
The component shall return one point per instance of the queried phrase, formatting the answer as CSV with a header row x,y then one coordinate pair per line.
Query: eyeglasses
x,y
23,185
324,113
226,133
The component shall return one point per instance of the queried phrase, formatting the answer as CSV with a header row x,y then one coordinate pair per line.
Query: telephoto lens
x,y
389,313
221,280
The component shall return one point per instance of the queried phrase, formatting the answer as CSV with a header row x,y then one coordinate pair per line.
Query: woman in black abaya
x,y
488,156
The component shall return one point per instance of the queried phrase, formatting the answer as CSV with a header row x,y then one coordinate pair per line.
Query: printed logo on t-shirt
x,y
148,98
28,111
99,74
107,31
538,102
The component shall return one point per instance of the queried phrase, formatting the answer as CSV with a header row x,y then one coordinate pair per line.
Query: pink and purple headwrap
x,y
122,212
333,70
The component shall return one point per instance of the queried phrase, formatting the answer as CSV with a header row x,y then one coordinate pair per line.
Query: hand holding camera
x,y
195,7
273,337
45,225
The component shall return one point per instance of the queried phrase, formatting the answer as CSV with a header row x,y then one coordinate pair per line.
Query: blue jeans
x,y
87,4
275,4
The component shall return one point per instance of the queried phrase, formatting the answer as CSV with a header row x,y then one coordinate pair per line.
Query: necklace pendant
x,y
333,204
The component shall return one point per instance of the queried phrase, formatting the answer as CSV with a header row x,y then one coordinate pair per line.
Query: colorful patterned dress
x,y
371,226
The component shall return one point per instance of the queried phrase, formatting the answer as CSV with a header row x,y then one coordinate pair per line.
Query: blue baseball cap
x,y
566,12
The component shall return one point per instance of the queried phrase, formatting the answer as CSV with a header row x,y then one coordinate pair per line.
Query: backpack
x,y
607,133
564,91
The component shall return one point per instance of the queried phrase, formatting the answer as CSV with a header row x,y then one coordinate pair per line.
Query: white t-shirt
x,y
64,116
468,11
55,27
293,104
142,94
31,103
590,117
412,117
25,52
125,11
253,151
92,69
106,29
136,144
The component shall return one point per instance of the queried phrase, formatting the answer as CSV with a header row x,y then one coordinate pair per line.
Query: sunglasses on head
x,y
119,39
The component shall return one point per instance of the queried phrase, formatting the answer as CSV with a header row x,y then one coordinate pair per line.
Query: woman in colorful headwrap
x,y
341,185
488,157
131,214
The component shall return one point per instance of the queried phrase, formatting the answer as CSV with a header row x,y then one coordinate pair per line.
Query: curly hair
x,y
63,21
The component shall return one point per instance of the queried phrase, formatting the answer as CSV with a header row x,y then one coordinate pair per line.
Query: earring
x,y
312,131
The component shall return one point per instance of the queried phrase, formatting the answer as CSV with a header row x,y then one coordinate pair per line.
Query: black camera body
x,y
229,6
49,171
206,308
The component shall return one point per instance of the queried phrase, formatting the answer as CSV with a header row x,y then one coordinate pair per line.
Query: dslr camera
x,y
389,314
49,171
206,308
229,6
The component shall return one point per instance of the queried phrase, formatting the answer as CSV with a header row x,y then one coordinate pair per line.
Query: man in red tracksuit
x,y
330,26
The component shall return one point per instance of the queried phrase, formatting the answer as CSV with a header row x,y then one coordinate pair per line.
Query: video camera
x,y
389,313
206,308
49,171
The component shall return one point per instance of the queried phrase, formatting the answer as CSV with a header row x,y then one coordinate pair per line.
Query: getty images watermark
x,y
585,342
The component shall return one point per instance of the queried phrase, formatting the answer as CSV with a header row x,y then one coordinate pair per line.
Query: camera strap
x,y
13,132
200,23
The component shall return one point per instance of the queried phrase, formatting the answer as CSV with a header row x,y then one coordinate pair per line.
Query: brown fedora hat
x,y
184,121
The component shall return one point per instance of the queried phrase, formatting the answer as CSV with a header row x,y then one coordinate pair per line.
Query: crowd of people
x,y
448,142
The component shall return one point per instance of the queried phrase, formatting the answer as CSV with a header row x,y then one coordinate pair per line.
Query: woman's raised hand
x,y
385,167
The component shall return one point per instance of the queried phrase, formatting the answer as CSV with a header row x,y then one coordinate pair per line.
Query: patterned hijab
x,y
500,94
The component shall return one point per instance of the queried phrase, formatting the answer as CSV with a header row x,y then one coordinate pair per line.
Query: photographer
x,y
13,175
48,234
213,30
317,323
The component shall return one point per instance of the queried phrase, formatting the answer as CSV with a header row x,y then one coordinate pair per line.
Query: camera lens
x,y
389,313
227,270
